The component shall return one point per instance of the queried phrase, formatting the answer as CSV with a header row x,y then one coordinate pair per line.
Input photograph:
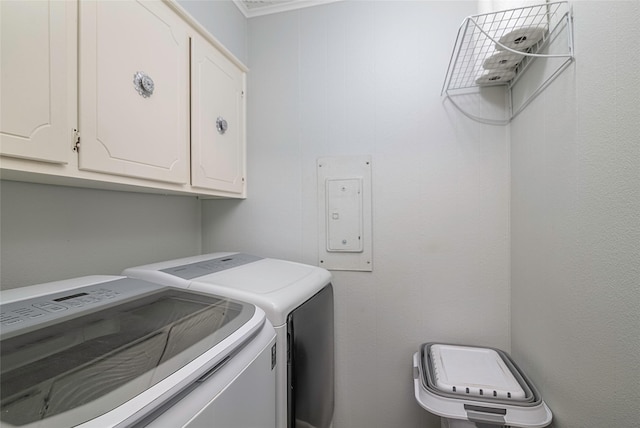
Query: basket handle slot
x,y
485,414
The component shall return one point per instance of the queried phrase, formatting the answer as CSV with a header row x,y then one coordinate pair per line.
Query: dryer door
x,y
311,362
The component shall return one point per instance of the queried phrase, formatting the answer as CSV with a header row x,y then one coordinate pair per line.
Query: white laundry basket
x,y
474,387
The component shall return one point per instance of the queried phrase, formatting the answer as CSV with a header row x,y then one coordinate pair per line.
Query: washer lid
x,y
98,347
473,371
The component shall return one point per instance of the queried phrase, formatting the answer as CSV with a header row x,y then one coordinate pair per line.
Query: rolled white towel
x,y
495,76
521,39
502,60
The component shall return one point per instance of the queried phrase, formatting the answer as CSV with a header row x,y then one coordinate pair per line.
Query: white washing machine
x,y
109,351
298,300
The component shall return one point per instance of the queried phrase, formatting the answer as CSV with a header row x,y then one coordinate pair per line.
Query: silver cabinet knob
x,y
221,125
143,84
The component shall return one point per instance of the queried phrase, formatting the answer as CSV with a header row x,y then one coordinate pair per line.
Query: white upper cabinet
x,y
34,72
134,126
127,95
217,120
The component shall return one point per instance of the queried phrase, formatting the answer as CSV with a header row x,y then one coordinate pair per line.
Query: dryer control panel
x,y
207,267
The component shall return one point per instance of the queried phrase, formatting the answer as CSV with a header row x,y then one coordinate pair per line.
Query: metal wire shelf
x,y
495,49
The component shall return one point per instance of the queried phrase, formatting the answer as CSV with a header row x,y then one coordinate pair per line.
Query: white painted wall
x,y
49,233
224,21
576,227
364,78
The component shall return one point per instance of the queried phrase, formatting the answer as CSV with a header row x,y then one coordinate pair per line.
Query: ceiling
x,y
251,8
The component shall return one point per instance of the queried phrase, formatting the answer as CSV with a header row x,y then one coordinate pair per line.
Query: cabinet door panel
x,y
35,62
123,132
218,159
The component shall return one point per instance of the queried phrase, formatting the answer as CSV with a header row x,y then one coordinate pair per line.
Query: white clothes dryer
x,y
109,351
298,301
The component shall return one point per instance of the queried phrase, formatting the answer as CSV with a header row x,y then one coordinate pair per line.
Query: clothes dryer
x,y
298,301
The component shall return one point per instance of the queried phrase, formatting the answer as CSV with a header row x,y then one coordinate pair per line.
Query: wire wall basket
x,y
495,49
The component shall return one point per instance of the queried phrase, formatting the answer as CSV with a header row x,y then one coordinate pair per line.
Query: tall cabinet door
x,y
134,90
217,120
37,58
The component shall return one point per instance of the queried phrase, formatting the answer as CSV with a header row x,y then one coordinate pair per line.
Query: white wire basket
x,y
496,49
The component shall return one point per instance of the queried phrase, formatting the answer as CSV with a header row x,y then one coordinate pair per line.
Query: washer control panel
x,y
35,311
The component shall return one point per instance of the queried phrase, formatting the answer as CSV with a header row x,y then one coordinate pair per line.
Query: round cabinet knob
x,y
143,84
221,125
147,84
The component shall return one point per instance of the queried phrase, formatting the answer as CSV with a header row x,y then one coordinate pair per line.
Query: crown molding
x,y
267,7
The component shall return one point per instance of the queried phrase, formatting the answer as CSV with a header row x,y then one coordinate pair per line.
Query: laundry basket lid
x,y
473,371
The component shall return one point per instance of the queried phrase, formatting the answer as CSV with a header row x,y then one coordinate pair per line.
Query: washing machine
x,y
110,351
298,301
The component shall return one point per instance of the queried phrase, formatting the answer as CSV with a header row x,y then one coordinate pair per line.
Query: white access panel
x,y
344,213
344,209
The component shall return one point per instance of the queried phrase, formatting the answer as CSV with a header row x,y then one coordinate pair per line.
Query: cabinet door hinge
x,y
76,140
